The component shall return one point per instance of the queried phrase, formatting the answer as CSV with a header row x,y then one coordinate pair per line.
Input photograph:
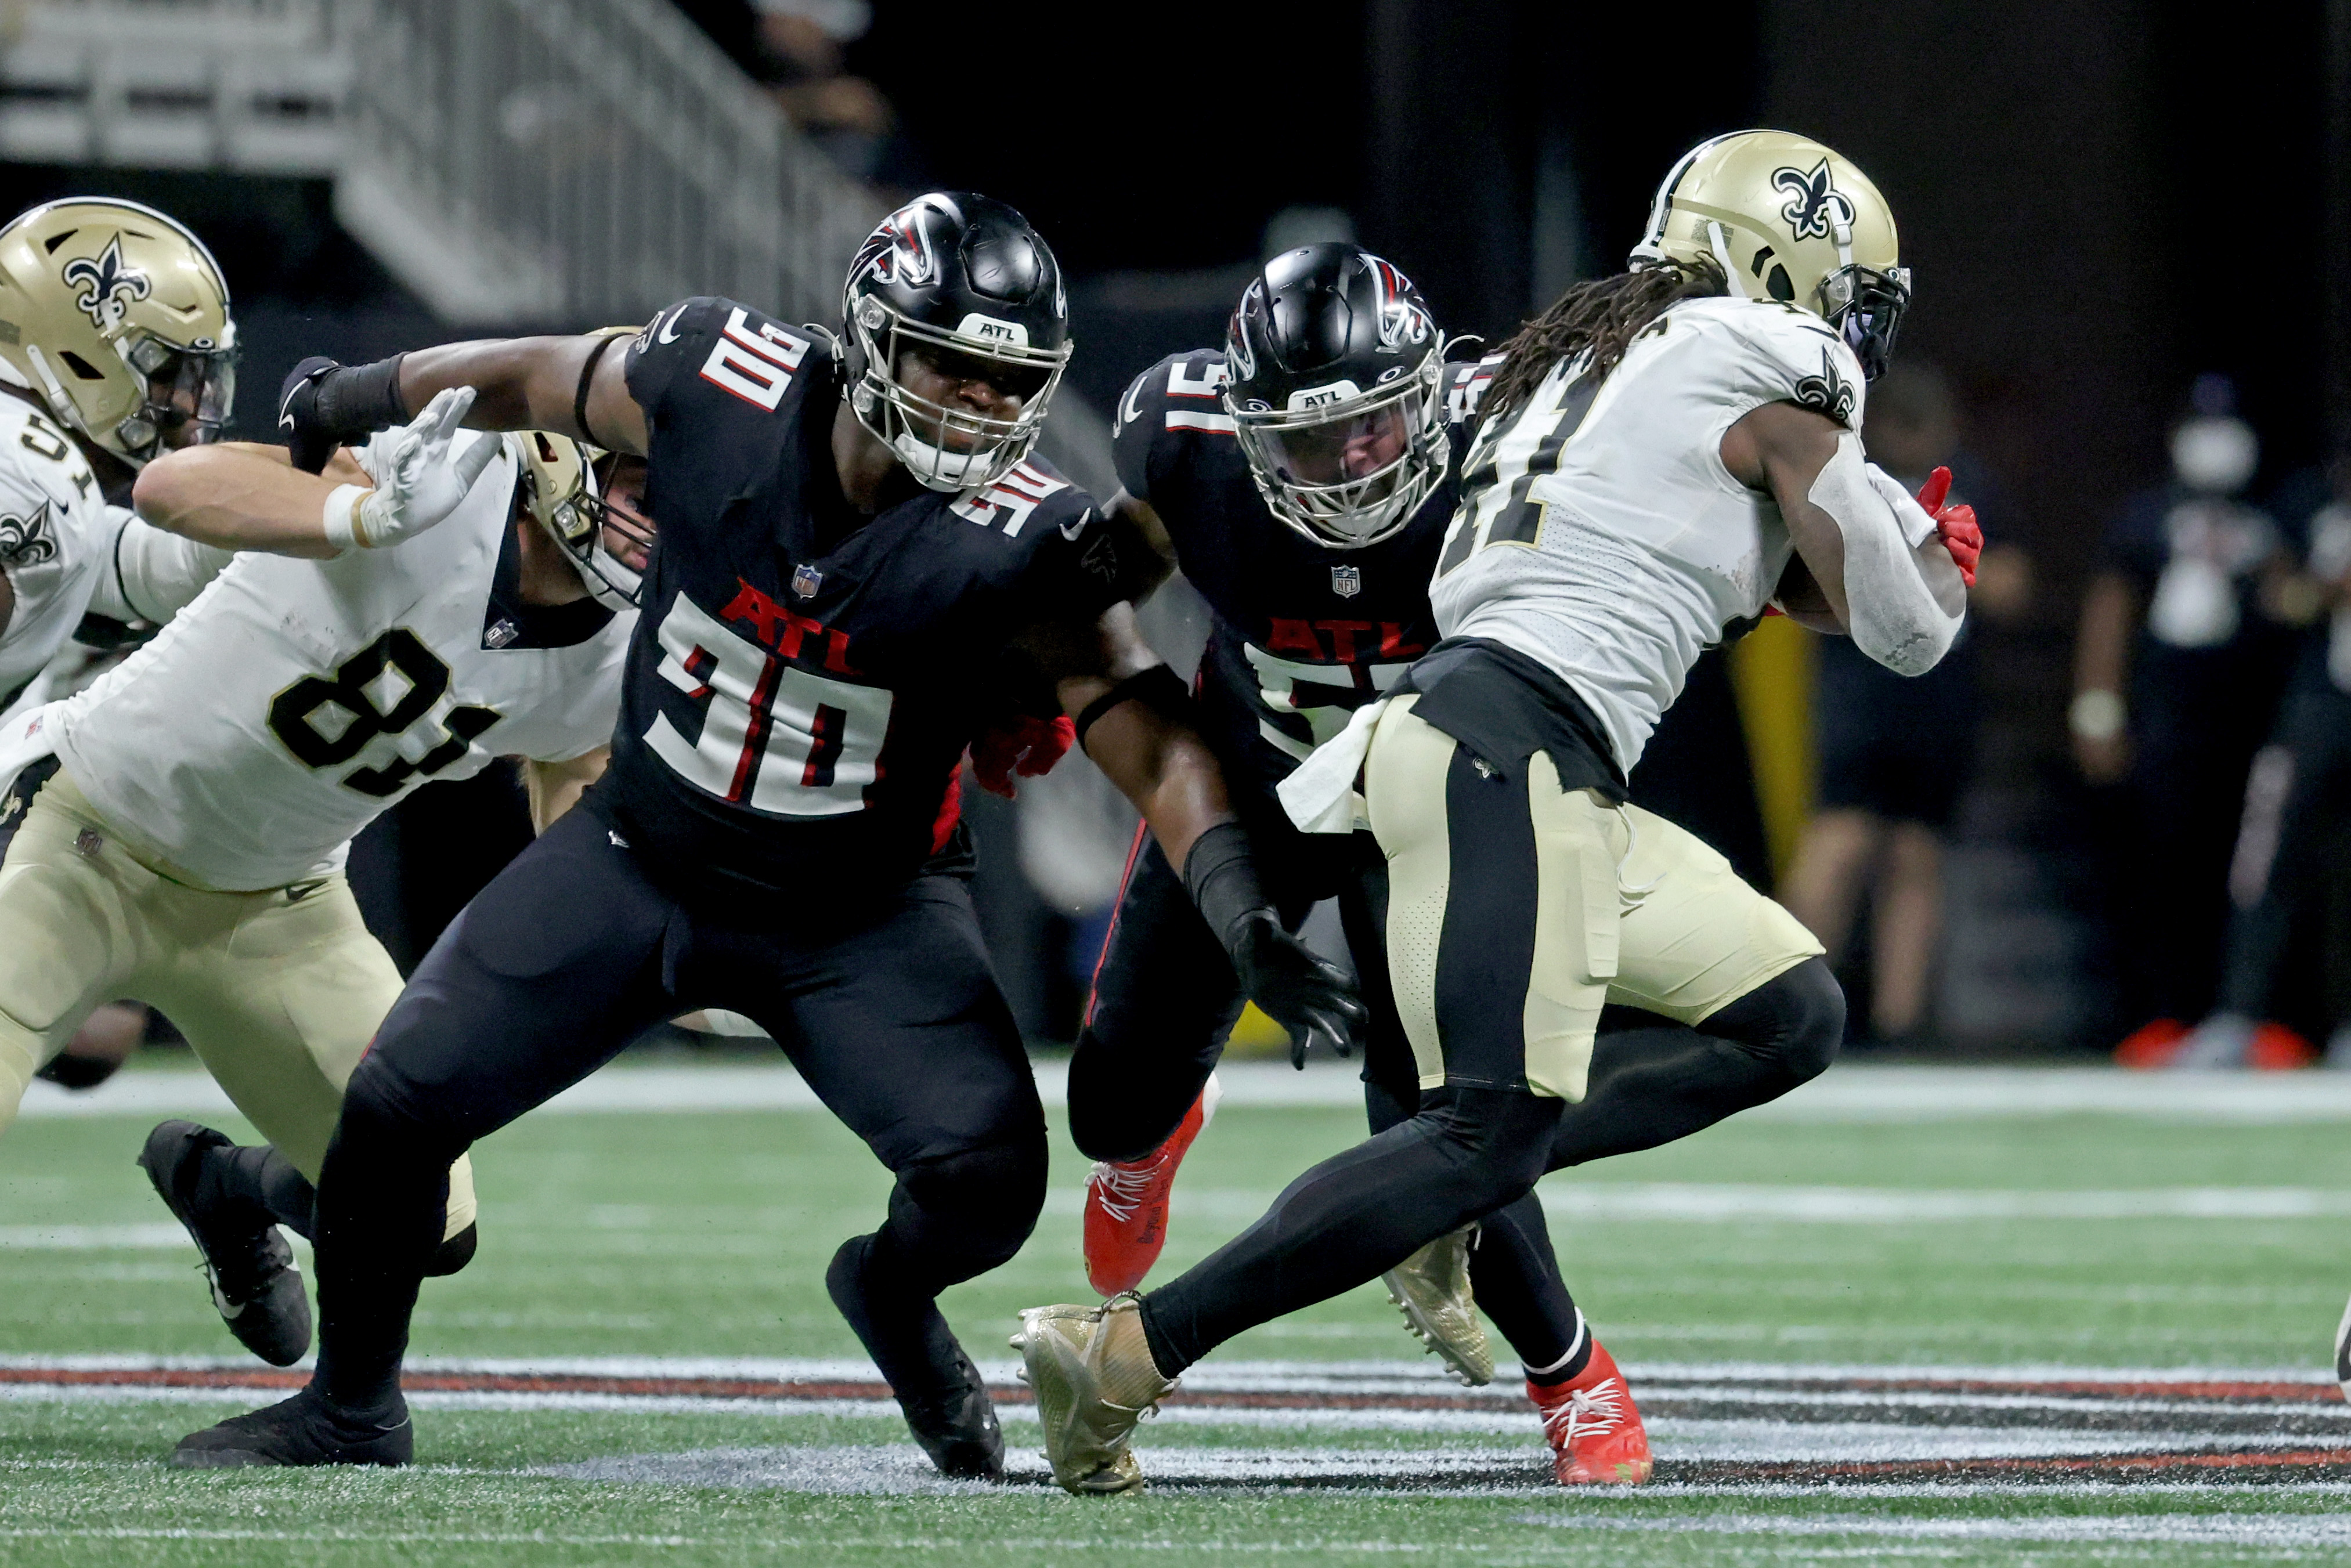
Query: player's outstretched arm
x,y
575,386
1878,558
1132,719
237,497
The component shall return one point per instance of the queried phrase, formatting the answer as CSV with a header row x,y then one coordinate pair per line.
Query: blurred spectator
x,y
2178,666
794,49
2293,847
1893,753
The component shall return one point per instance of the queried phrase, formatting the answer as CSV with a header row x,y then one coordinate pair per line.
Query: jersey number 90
x,y
775,736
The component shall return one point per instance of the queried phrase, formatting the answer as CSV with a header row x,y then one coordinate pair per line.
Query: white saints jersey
x,y
56,535
296,700
1599,531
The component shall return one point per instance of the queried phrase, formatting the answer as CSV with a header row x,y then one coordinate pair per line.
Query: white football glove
x,y
417,482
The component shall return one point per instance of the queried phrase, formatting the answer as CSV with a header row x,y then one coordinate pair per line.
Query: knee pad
x,y
1500,1138
1796,1019
978,1203
454,1253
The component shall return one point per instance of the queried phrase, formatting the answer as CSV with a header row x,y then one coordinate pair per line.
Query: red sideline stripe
x,y
2080,1388
1662,1390
2043,1464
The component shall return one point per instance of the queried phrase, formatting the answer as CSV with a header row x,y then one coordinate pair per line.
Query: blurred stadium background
x,y
1932,1286
2120,220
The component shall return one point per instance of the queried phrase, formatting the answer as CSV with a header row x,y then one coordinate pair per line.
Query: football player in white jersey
x,y
118,347
185,818
1662,454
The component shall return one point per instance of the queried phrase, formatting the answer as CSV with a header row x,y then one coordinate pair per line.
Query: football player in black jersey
x,y
1301,479
852,532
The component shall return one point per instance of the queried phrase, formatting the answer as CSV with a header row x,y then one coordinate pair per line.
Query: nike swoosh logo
x,y
1128,412
1072,530
668,332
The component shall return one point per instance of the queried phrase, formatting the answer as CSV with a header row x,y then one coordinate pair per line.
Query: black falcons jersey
x,y
804,678
1302,634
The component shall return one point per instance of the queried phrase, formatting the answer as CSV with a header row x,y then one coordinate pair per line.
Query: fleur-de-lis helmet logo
x,y
1814,205
106,286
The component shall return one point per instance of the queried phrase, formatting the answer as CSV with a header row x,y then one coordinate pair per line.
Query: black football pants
x,y
896,1022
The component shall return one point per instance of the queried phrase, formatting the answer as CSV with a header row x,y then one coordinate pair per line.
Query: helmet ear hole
x,y
1779,286
80,367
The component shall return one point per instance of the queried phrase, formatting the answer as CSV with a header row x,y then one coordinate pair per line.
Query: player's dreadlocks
x,y
1603,316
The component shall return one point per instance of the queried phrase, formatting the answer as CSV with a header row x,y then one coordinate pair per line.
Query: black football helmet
x,y
965,281
1337,372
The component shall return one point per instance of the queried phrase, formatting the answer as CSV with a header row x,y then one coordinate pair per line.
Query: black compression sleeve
x,y
1221,876
1159,686
357,399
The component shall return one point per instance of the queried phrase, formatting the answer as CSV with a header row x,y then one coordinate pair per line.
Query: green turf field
x,y
1753,1279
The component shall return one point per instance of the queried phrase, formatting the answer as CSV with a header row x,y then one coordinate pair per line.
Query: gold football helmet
x,y
118,319
1788,219
562,487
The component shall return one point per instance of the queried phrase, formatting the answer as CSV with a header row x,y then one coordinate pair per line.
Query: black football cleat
x,y
254,1281
302,1431
946,1404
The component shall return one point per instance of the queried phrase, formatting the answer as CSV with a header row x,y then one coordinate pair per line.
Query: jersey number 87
x,y
775,736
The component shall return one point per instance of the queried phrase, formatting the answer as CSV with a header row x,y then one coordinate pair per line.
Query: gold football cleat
x,y
1431,1287
1094,1380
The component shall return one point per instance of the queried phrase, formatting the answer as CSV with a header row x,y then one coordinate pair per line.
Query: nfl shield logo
x,y
1346,581
805,580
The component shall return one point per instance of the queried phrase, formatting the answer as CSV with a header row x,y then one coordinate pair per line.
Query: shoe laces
x,y
1122,1188
1587,1412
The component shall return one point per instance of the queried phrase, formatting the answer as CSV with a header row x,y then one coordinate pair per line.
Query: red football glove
x,y
1022,744
1955,526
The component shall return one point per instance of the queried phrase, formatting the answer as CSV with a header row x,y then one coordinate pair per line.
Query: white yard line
x,y
1847,1095
2277,1529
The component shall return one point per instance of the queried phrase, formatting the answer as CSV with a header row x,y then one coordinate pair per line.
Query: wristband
x,y
358,399
1221,876
340,519
1160,687
2095,715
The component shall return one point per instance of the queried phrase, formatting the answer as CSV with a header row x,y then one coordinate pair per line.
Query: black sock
x,y
1515,1278
1355,1215
383,1198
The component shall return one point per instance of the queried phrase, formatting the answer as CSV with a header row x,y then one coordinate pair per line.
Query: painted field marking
x,y
1846,1096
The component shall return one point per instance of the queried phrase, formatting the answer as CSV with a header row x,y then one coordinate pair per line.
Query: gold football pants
x,y
278,992
1517,909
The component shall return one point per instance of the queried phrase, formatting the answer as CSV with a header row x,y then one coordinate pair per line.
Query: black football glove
x,y
324,405
1307,995
1299,990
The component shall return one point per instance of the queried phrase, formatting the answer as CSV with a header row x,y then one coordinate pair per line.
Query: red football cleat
x,y
2277,1049
1126,1203
1596,1431
2151,1045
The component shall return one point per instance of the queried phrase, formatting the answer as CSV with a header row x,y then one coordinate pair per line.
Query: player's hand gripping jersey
x,y
1302,634
808,677
298,699
1603,536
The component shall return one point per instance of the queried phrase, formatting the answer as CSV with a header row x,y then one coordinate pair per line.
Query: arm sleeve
x,y
1905,595
151,574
